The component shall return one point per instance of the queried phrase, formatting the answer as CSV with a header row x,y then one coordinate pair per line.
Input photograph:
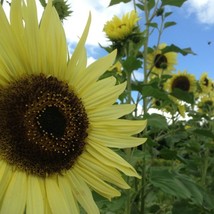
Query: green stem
x,y
145,106
205,168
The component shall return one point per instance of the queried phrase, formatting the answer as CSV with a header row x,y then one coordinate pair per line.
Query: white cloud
x,y
204,10
101,13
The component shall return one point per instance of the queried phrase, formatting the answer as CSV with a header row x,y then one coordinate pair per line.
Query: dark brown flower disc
x,y
160,61
182,83
43,125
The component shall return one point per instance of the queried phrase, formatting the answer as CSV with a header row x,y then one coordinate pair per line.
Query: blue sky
x,y
195,28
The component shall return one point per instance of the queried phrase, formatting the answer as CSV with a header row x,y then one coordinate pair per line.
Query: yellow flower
x,y
181,80
58,121
117,66
205,83
120,29
161,63
206,105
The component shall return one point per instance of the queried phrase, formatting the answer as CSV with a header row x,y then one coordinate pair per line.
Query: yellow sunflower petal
x,y
110,112
77,63
102,171
104,99
15,197
93,72
55,197
112,140
96,183
110,158
64,185
35,198
123,126
83,194
54,48
5,177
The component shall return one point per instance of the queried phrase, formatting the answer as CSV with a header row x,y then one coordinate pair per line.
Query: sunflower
x,y
120,29
58,122
183,81
161,63
205,83
206,105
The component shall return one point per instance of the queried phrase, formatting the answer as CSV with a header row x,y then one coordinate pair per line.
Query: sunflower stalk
x,y
145,106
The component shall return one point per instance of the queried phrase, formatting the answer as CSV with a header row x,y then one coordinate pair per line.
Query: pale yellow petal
x,y
77,63
15,197
110,112
104,172
53,51
8,57
55,197
104,99
35,198
65,187
82,193
93,72
114,140
96,87
16,17
31,42
5,177
95,182
128,127
110,158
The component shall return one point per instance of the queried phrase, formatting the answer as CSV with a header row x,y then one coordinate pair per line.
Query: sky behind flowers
x,y
195,29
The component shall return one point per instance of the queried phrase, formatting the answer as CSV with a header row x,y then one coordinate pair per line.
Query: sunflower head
x,y
161,63
119,29
205,83
58,118
183,81
206,105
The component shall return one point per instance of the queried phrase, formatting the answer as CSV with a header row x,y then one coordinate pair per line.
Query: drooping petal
x,y
15,197
96,183
106,173
35,198
110,158
55,197
65,187
82,193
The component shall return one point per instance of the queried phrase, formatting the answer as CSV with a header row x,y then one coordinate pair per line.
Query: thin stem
x,y
145,105
205,167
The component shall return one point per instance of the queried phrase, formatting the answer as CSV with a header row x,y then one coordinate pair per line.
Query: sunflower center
x,y
160,61
206,82
181,82
52,121
44,125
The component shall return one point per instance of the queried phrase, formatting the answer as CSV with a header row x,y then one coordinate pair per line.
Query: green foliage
x,y
113,2
176,162
177,3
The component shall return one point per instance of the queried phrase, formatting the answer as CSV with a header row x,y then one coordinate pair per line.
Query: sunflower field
x,y
79,139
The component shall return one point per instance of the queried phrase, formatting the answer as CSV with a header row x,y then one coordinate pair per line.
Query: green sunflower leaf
x,y
183,95
113,2
174,48
176,184
131,64
177,3
156,121
169,24
205,133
